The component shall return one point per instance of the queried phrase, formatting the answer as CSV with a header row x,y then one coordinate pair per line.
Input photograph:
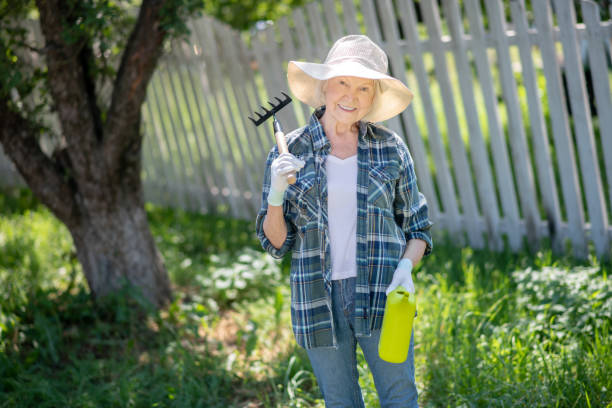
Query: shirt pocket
x,y
302,200
381,188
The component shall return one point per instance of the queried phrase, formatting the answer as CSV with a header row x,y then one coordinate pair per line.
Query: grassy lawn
x,y
494,329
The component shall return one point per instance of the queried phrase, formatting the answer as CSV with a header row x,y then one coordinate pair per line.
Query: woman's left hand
x,y
402,277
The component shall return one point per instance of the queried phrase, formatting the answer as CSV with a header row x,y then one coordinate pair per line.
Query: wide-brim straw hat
x,y
352,55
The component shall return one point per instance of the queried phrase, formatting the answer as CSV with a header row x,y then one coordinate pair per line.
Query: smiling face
x,y
348,99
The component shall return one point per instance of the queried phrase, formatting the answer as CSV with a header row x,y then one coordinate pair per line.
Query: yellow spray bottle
x,y
397,326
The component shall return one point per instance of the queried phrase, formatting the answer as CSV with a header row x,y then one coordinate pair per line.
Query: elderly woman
x,y
354,220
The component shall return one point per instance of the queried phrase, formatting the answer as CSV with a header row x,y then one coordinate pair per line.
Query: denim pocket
x,y
344,295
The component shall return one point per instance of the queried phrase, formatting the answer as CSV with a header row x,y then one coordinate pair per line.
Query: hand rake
x,y
278,133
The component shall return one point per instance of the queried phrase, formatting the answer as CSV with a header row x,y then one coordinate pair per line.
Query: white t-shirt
x,y
342,215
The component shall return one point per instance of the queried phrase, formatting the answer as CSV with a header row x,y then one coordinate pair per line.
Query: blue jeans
x,y
336,368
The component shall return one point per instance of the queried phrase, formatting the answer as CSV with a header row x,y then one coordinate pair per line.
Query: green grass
x,y
494,329
513,330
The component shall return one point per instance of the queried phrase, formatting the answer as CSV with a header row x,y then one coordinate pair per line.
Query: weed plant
x,y
493,330
499,330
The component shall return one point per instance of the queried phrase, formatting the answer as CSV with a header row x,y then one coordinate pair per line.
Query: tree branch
x,y
86,59
44,177
142,52
68,79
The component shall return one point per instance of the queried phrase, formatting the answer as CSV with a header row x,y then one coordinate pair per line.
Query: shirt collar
x,y
317,134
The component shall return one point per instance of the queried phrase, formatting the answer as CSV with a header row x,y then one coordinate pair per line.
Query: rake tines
x,y
270,112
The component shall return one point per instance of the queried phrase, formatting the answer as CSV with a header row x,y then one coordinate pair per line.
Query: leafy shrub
x,y
537,337
564,305
250,276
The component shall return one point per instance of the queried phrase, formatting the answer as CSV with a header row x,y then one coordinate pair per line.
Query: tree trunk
x,y
105,215
115,247
92,180
111,234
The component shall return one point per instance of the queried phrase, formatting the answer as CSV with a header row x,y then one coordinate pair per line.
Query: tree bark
x,y
93,183
44,176
115,248
112,238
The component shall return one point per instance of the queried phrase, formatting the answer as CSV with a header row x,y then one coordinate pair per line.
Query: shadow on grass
x,y
64,349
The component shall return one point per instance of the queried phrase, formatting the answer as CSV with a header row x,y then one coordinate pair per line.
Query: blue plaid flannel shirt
x,y
390,211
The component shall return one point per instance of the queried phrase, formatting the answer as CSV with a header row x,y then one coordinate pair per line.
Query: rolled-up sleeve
x,y
410,206
261,215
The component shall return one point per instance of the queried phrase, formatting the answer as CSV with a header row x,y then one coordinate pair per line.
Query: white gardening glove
x,y
281,166
402,277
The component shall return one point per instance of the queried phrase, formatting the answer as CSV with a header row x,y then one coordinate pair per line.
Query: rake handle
x,y
281,143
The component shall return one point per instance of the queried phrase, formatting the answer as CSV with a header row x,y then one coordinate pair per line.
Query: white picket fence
x,y
495,172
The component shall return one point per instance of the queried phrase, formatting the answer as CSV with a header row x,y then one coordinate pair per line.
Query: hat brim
x,y
305,77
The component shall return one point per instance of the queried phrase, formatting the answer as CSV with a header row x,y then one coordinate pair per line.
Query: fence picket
x,y
288,55
239,81
462,169
320,43
369,17
508,197
304,48
599,75
583,128
164,100
252,162
564,148
203,170
331,18
154,175
233,116
544,166
149,187
448,196
516,129
206,89
205,34
349,15
373,31
168,176
170,73
272,72
213,157
480,161
286,45
164,143
278,76
253,100
398,66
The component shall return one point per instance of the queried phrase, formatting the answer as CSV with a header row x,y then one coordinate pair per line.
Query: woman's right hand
x,y
282,166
